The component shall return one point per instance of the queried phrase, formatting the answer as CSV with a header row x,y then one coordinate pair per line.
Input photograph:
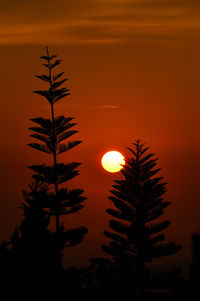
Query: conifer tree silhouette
x,y
138,199
52,132
34,249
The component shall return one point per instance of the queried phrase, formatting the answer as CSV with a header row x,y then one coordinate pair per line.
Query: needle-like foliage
x,y
52,135
138,201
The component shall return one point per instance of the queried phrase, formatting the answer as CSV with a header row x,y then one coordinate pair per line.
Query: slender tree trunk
x,y
55,168
54,148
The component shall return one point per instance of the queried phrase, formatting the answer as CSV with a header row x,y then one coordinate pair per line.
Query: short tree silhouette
x,y
138,199
32,244
52,132
35,250
194,272
32,249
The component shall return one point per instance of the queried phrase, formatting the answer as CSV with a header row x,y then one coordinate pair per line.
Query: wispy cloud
x,y
113,107
97,21
83,106
95,107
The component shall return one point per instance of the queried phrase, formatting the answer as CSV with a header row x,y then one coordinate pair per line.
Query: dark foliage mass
x,y
31,261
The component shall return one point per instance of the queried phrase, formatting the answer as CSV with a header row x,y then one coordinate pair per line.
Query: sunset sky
x,y
134,73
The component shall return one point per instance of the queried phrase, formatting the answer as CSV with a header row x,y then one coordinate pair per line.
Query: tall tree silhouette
x,y
52,132
138,199
34,249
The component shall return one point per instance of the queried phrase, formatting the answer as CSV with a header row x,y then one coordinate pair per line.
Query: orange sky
x,y
134,70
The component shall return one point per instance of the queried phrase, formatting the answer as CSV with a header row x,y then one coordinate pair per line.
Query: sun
x,y
113,161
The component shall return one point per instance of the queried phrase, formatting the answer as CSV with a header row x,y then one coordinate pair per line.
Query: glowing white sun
x,y
112,161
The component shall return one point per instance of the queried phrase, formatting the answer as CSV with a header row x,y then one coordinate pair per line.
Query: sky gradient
x,y
134,70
